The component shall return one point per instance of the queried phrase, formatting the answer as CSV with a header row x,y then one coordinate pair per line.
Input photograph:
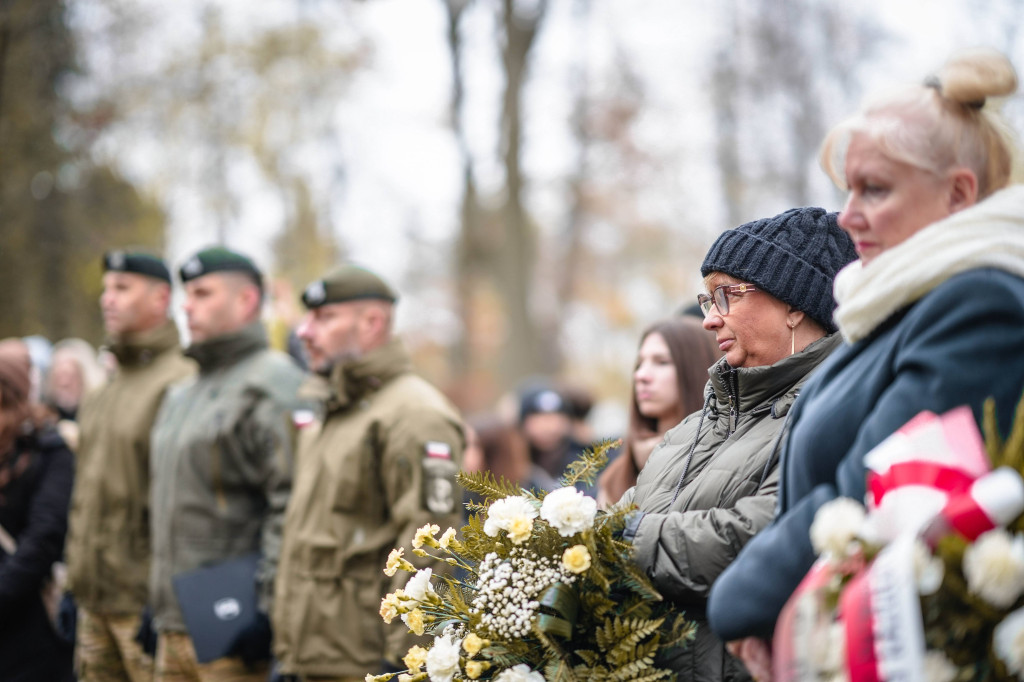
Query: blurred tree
x,y
58,211
785,69
235,115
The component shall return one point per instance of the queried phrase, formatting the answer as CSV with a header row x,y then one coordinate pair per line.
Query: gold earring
x,y
792,339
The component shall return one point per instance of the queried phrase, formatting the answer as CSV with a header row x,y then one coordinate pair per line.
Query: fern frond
x,y
633,632
487,485
589,464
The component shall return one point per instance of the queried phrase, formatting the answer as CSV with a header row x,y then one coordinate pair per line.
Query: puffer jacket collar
x,y
351,381
133,350
745,390
228,349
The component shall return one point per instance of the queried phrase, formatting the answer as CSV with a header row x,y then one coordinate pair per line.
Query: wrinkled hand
x,y
253,643
756,654
145,637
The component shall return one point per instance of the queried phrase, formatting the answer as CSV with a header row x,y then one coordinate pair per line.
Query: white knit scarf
x,y
989,234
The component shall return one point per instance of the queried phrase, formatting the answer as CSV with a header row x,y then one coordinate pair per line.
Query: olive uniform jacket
x,y
709,487
108,546
381,465
222,465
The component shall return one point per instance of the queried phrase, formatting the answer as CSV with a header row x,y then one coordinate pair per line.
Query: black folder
x,y
217,603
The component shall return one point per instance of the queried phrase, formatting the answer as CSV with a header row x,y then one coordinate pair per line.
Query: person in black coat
x,y
36,472
933,316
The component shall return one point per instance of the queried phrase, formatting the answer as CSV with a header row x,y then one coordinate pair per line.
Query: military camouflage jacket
x,y
381,465
108,546
222,464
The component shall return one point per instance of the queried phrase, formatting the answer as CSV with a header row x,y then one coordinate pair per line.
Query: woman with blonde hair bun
x,y
932,313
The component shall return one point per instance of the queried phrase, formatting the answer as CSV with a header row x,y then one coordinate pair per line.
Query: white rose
x,y
938,668
1008,642
519,673
928,569
419,585
994,567
836,525
569,511
443,659
505,513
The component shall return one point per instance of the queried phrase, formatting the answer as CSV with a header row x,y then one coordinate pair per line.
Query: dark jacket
x,y
34,510
690,532
958,345
221,462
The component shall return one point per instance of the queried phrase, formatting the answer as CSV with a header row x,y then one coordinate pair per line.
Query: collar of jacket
x,y
132,350
227,349
351,381
769,386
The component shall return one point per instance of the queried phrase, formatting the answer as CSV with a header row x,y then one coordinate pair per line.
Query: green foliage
x,y
605,623
487,485
589,465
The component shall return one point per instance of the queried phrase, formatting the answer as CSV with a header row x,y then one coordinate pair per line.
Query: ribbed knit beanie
x,y
793,256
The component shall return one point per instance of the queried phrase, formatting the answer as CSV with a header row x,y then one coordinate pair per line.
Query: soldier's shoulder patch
x,y
437,449
303,418
441,494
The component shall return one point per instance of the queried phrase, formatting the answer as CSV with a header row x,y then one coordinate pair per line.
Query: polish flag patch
x,y
438,449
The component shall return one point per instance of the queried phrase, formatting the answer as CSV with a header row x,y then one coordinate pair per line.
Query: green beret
x,y
347,283
219,259
138,262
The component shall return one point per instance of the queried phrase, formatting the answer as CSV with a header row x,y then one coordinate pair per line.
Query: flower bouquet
x,y
925,583
542,588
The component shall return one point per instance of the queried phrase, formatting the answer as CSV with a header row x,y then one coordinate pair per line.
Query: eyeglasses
x,y
720,297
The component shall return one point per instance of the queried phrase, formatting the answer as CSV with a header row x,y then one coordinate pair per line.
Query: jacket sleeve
x,y
684,552
956,347
420,488
41,542
269,435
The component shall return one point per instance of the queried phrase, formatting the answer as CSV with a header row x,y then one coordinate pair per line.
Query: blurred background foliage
x,y
124,122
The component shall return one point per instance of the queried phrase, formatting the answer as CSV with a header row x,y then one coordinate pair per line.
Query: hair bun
x,y
972,76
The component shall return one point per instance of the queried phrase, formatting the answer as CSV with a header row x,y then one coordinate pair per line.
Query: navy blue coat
x,y
959,344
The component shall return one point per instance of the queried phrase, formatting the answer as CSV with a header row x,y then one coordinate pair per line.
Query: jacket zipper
x,y
731,381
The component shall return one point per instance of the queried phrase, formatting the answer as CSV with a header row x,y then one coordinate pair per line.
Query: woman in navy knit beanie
x,y
711,483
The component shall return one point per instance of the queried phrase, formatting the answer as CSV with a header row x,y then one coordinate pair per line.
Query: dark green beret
x,y
347,283
138,262
219,259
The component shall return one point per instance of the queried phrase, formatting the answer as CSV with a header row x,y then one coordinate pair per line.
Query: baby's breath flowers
x,y
508,589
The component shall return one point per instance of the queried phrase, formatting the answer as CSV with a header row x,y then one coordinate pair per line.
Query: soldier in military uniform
x,y
379,465
108,537
222,460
